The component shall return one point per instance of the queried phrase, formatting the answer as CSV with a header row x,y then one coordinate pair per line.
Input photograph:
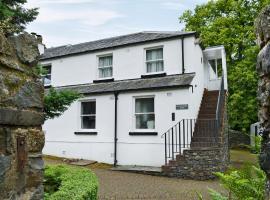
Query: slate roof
x,y
118,41
171,81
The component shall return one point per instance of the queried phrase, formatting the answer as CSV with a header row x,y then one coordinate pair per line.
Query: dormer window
x,y
154,60
105,66
46,76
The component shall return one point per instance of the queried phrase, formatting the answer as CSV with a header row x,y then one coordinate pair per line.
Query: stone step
x,y
204,139
203,144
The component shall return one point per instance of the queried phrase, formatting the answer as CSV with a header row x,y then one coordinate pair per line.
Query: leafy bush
x,y
247,183
57,102
62,182
257,146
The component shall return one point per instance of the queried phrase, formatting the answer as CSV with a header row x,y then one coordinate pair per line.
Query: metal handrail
x,y
220,101
179,136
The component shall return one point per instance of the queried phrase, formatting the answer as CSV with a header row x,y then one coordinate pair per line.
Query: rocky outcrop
x,y
21,117
263,69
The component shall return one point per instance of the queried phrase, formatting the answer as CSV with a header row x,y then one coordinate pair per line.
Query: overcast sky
x,y
73,21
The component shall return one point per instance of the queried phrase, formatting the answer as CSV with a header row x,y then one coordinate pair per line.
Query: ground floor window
x,y
88,115
145,113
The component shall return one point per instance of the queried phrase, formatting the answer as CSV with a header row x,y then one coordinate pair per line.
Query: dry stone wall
x,y
21,117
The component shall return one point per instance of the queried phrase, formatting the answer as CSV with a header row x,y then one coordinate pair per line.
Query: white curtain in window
x,y
105,66
144,111
155,66
105,72
154,60
105,61
154,54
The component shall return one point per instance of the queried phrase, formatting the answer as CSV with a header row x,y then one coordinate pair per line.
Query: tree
x,y
231,23
14,17
57,102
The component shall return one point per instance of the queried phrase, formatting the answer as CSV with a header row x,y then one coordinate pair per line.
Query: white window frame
x,y
98,68
148,61
81,115
43,76
134,113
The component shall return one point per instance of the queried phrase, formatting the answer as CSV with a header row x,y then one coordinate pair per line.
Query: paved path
x,y
124,186
116,185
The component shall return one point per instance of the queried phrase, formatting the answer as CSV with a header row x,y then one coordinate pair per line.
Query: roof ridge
x,y
108,38
135,33
121,40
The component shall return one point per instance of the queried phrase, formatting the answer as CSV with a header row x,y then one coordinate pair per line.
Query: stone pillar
x,y
263,68
21,117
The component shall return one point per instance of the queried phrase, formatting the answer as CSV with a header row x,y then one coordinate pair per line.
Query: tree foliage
x,y
14,17
246,183
57,102
231,23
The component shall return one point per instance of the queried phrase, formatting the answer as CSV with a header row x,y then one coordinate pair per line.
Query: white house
x,y
135,88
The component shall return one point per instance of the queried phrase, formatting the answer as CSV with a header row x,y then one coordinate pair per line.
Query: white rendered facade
x,y
128,62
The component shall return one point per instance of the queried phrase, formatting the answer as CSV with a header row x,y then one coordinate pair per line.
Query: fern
x,y
247,183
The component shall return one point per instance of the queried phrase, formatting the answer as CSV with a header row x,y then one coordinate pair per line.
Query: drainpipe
x,y
183,55
115,128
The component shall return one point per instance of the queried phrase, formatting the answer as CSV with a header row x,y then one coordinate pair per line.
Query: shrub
x,y
247,183
63,182
257,146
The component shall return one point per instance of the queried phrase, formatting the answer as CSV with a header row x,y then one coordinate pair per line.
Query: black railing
x,y
178,138
220,103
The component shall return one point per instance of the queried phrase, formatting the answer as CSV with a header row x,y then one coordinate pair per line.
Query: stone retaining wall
x,y
21,117
202,163
238,139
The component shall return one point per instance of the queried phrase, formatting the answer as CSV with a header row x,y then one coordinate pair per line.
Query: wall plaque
x,y
182,107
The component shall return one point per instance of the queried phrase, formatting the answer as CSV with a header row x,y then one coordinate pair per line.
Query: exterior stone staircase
x,y
203,135
208,149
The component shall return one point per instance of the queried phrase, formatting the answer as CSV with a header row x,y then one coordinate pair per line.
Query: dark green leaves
x,y
57,102
231,23
15,16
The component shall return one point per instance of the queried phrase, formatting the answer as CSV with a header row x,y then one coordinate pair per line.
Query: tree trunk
x,y
263,68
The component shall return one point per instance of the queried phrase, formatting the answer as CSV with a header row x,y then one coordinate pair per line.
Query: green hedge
x,y
63,182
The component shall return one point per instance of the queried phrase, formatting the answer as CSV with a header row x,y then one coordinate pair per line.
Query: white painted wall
x,y
132,150
128,62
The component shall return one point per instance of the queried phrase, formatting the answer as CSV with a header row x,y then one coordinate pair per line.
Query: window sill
x,y
85,133
143,133
103,80
153,75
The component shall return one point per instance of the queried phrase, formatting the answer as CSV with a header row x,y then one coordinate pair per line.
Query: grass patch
x,y
241,157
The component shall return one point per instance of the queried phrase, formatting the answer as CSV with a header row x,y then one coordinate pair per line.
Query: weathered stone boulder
x,y
26,48
21,117
263,68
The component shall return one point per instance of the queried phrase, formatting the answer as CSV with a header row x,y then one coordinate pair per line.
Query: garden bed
x,y
64,182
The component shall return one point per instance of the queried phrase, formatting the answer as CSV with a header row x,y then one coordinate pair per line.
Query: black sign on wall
x,y
182,107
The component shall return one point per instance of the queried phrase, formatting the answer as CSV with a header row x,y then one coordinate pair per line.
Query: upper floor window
x,y
105,66
154,60
88,115
145,113
46,75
